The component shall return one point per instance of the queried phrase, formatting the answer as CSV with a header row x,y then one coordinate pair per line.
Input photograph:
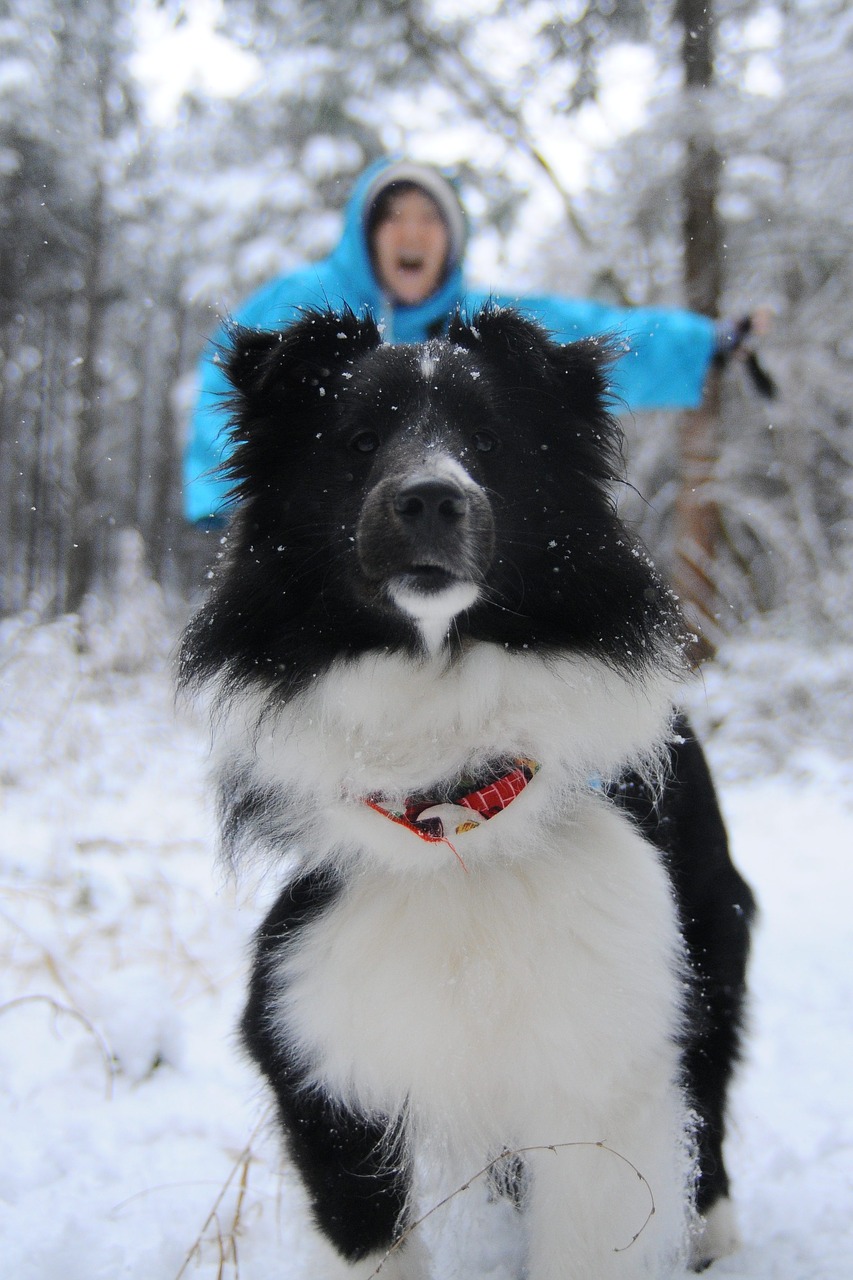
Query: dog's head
x,y
395,497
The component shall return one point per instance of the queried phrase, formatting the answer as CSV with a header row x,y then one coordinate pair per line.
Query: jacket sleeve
x,y
277,303
665,352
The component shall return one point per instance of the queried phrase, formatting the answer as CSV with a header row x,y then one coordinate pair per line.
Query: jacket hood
x,y
351,257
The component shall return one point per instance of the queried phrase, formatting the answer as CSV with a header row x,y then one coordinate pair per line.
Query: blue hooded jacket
x,y
667,351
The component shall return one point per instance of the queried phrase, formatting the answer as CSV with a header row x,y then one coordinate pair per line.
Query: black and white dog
x,y
442,677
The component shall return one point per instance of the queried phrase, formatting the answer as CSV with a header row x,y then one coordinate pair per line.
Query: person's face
x,y
410,247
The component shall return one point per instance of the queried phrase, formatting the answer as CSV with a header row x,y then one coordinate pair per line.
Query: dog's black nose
x,y
431,500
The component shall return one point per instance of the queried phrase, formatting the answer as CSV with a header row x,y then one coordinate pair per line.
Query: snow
x,y
173,58
138,1143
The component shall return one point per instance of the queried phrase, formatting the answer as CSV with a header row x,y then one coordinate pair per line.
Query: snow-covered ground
x,y
135,1141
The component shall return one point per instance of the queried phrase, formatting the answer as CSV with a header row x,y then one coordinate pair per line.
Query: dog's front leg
x,y
597,1213
357,1184
410,1260
357,1189
353,1167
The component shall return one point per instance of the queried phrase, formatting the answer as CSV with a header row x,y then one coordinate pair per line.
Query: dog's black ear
x,y
514,343
502,333
275,377
272,364
565,386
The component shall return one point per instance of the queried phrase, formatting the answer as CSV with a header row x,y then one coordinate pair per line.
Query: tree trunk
x,y
15,474
166,516
82,554
697,517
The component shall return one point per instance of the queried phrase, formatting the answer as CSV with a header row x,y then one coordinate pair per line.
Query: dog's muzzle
x,y
426,538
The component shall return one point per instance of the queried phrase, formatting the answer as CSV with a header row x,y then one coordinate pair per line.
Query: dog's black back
x,y
716,907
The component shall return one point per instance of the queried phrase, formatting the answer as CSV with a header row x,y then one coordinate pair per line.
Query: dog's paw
x,y
716,1236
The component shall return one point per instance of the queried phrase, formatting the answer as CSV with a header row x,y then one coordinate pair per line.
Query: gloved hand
x,y
733,343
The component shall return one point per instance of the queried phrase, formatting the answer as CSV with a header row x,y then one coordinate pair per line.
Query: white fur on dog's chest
x,y
396,726
454,993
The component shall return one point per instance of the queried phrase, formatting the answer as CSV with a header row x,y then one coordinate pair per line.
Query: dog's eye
x,y
365,442
485,442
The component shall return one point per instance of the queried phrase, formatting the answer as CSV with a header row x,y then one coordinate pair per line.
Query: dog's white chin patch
x,y
434,611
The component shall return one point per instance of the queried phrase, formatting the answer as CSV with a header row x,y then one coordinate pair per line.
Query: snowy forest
x,y
159,159
134,215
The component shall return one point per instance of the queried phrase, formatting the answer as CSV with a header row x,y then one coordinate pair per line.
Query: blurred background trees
x,y
625,149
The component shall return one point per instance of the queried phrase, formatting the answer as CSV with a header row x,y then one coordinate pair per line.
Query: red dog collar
x,y
465,806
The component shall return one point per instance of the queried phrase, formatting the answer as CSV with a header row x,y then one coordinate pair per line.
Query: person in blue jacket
x,y
401,257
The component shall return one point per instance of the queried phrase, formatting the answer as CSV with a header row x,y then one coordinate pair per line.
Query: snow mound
x,y
139,1144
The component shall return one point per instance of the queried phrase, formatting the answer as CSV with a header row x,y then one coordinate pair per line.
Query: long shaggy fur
x,y
426,581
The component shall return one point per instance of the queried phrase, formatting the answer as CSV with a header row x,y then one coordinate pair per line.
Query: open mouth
x,y
410,264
